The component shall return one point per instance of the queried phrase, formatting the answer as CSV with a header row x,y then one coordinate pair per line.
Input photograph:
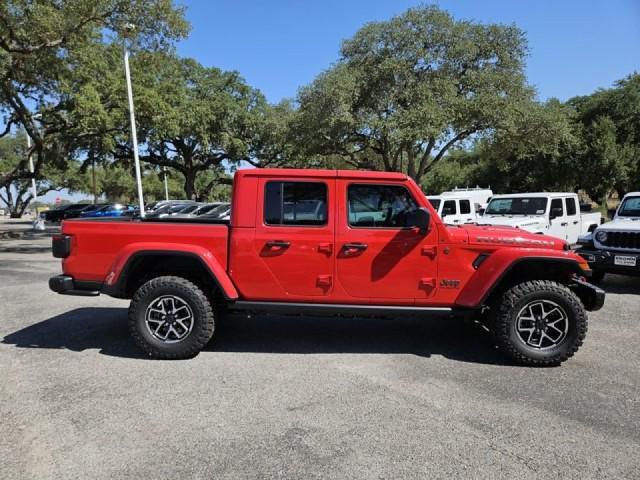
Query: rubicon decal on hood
x,y
515,241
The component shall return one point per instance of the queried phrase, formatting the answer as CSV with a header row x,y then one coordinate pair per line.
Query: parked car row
x,y
161,209
189,209
85,210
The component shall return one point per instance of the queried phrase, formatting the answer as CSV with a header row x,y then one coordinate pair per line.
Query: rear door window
x,y
295,203
571,206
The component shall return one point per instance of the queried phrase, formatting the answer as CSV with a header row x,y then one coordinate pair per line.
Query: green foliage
x,y
608,122
44,47
408,89
16,191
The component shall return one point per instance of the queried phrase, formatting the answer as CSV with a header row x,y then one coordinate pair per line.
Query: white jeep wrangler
x,y
555,214
614,247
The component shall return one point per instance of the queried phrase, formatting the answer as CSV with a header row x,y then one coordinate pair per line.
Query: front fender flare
x,y
499,263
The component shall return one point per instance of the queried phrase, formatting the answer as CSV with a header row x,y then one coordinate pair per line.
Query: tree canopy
x,y
409,89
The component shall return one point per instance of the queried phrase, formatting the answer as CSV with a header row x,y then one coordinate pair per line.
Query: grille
x,y
623,240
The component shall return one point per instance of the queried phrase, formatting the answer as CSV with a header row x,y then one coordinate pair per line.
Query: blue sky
x,y
280,45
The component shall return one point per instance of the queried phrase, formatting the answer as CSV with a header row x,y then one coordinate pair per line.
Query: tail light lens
x,y
61,246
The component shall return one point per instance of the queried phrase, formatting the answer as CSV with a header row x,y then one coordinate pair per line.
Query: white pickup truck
x,y
460,205
555,214
614,247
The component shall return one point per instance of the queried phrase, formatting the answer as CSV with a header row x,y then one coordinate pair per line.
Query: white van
x,y
460,205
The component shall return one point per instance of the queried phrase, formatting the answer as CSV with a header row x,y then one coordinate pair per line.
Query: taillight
x,y
61,246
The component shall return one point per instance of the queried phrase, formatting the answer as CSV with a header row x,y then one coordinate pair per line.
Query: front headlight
x,y
601,236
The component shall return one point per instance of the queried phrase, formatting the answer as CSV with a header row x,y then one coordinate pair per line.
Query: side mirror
x,y
555,213
419,218
481,211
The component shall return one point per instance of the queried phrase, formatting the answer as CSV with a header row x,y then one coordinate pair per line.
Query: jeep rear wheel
x,y
170,317
539,323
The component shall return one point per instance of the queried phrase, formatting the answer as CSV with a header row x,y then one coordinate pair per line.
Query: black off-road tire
x,y
203,319
504,320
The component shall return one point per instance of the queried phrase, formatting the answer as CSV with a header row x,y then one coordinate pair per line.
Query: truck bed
x,y
97,244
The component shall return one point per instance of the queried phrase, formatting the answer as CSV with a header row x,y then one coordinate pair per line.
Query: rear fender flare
x,y
117,277
500,263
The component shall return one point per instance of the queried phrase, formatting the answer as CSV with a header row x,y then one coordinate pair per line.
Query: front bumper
x,y
592,297
66,285
604,261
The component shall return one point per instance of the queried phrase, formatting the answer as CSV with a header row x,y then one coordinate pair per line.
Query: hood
x,y
511,220
512,237
625,224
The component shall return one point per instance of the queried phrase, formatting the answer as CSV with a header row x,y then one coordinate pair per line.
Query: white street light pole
x,y
34,192
166,186
134,136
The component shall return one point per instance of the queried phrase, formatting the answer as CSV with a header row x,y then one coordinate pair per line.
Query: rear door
x,y
573,219
466,214
294,237
559,224
377,257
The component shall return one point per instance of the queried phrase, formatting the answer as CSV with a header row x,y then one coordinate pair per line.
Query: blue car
x,y
112,210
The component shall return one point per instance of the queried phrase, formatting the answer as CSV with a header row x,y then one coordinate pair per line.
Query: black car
x,y
78,212
58,214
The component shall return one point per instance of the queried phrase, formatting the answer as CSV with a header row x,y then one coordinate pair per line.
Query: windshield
x,y
435,203
630,207
517,206
204,209
220,209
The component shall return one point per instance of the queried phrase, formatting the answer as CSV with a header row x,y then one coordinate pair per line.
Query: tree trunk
x,y
190,184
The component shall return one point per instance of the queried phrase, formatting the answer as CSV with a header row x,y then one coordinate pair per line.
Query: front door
x,y
294,238
377,257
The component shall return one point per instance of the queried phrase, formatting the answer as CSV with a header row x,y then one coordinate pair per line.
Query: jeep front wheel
x,y
539,323
171,318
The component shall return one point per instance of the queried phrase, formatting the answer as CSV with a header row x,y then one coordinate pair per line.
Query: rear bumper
x,y
66,285
603,261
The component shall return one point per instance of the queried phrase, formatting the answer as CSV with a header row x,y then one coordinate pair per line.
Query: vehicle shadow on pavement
x,y
24,248
105,330
423,337
620,284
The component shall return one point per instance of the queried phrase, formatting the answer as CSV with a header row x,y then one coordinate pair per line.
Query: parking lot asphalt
x,y
300,397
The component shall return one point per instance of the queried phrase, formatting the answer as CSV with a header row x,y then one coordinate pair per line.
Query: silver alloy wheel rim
x,y
169,319
542,324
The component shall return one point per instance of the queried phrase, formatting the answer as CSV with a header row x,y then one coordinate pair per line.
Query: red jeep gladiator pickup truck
x,y
336,242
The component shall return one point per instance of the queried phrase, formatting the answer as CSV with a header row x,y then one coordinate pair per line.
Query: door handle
x,y
429,251
355,246
564,224
325,248
277,244
575,222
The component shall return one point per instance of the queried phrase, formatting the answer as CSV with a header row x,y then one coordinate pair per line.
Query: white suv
x,y
555,214
614,247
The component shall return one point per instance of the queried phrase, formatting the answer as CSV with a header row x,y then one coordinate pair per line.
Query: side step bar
x,y
337,308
